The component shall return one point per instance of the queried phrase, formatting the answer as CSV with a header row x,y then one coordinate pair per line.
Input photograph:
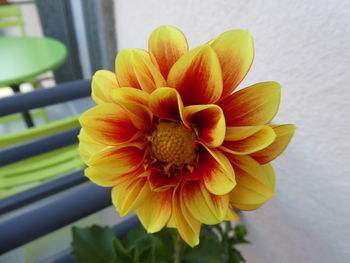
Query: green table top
x,y
23,58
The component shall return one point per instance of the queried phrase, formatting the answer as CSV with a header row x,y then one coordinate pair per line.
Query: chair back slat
x,y
10,11
39,131
11,16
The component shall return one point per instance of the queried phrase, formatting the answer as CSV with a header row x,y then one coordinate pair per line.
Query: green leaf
x,y
166,237
134,236
121,254
142,247
97,244
235,256
93,244
209,250
240,231
158,252
139,244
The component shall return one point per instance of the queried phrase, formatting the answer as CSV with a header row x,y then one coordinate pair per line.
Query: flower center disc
x,y
173,144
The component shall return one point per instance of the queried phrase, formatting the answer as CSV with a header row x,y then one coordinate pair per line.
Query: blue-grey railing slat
x,y
44,97
29,149
54,186
67,207
76,202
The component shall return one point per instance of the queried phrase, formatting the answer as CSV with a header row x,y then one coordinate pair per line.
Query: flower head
x,y
174,141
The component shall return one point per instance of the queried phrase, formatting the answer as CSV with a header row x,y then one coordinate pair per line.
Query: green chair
x,y
25,174
10,17
34,156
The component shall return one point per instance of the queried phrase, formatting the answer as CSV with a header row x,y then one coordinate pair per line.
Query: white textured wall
x,y
305,45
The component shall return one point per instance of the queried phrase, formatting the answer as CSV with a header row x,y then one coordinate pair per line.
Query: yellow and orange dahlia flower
x,y
177,146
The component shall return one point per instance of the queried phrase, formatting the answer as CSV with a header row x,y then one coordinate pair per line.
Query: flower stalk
x,y
177,248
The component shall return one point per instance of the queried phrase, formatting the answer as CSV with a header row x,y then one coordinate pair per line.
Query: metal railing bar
x,y
66,208
19,200
31,148
44,97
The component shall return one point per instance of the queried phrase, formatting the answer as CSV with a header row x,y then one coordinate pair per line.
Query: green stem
x,y
177,249
227,230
